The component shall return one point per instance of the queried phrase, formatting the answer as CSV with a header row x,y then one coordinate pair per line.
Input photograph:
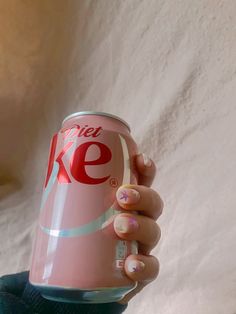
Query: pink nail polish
x,y
135,266
127,196
125,224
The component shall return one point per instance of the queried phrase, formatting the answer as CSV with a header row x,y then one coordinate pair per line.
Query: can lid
x,y
96,113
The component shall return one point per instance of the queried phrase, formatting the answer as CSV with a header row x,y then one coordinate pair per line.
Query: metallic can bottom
x,y
99,295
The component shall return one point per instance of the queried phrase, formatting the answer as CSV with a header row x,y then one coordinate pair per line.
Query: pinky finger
x,y
142,268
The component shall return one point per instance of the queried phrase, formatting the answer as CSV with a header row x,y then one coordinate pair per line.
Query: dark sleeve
x,y
18,296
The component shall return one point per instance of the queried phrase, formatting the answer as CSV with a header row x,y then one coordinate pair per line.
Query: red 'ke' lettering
x,y
51,158
78,162
62,175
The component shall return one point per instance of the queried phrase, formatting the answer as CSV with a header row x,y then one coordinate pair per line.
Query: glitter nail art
x,y
135,266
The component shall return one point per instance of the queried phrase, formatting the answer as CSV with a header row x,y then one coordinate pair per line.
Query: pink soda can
x,y
77,257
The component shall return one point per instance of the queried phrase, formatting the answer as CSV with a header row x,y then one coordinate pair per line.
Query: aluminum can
x,y
77,257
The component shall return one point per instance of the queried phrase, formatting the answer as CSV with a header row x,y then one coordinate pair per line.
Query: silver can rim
x,y
97,113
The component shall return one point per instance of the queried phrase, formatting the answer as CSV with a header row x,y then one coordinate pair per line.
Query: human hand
x,y
19,296
143,267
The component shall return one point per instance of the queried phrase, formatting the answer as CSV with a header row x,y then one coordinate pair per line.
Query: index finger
x,y
146,169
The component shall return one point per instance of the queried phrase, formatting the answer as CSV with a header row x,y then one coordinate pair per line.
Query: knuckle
x,y
153,198
154,270
161,204
157,234
157,204
156,267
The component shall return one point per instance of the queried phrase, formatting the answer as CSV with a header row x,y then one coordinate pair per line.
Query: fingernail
x,y
146,160
135,266
127,196
125,224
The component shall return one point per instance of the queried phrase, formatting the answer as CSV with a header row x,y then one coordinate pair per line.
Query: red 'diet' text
x,y
78,131
77,161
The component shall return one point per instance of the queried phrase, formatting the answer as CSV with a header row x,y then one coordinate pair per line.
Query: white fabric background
x,y
166,67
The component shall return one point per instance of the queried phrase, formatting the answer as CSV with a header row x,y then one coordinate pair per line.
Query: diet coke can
x,y
77,256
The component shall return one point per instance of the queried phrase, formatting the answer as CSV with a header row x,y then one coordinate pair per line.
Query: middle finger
x,y
136,227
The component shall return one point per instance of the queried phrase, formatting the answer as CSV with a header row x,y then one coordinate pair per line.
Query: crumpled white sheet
x,y
167,68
